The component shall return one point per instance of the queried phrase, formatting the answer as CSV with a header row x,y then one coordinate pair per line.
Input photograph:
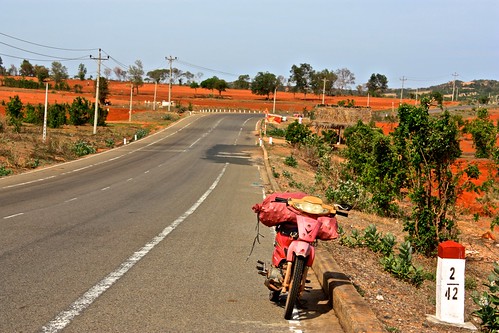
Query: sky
x,y
415,43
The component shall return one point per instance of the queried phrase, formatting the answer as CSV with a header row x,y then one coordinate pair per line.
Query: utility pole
x,y
323,90
96,112
170,60
403,79
454,85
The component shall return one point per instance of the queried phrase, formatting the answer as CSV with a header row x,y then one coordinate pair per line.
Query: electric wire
x,y
46,46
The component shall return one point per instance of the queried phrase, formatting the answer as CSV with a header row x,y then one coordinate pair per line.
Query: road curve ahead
x,y
150,237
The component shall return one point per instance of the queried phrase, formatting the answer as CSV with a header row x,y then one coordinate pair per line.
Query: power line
x,y
40,54
46,46
206,69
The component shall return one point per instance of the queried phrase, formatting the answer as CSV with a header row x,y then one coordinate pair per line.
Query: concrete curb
x,y
353,313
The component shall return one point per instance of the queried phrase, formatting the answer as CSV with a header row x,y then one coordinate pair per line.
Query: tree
x,y
194,85
221,85
264,84
135,73
2,69
317,82
120,73
158,75
301,77
484,134
243,82
107,73
26,68
103,89
371,163
428,148
14,111
79,111
41,73
12,70
82,72
345,78
58,72
189,77
377,84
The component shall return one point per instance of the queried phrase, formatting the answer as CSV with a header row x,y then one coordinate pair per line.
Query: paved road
x,y
150,237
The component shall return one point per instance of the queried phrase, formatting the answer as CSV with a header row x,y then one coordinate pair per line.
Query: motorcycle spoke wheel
x,y
294,290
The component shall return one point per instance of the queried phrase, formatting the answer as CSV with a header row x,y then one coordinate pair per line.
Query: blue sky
x,y
424,41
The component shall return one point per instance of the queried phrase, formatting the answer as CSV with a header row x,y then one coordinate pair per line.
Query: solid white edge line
x,y
65,317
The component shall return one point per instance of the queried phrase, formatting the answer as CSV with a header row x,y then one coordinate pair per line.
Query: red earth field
x,y
286,103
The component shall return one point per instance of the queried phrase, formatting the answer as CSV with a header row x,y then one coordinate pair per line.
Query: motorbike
x,y
299,221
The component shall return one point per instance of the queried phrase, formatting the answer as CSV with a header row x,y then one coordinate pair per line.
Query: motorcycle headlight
x,y
311,208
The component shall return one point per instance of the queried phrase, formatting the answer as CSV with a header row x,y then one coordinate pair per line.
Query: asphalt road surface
x,y
151,237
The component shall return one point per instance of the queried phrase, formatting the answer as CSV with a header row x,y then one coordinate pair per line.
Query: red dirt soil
x,y
286,103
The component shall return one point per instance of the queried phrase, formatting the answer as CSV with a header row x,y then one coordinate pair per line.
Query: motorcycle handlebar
x,y
338,212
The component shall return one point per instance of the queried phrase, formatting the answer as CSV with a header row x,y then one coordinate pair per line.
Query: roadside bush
x,y
348,191
488,303
14,111
275,131
4,171
82,148
297,133
141,133
79,111
34,114
401,266
56,115
291,161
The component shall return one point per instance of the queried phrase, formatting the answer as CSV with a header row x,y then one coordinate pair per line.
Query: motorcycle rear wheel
x,y
294,290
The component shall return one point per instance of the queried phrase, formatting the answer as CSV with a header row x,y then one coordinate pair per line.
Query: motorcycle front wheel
x,y
294,290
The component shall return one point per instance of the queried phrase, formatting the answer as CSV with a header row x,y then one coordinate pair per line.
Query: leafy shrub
x,y
170,116
4,171
56,115
79,111
488,302
275,131
34,114
347,192
291,161
296,133
82,148
14,111
401,266
110,143
141,133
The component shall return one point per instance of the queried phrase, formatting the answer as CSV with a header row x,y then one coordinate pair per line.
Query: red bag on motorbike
x,y
271,213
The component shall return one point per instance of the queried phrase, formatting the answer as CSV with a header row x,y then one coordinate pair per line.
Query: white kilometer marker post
x,y
450,286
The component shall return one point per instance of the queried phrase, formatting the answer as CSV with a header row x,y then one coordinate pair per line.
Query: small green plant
x,y
110,143
291,161
275,131
371,238
4,171
401,266
488,302
82,148
287,174
354,240
275,173
141,133
387,243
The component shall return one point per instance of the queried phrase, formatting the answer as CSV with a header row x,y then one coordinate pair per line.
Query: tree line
x,y
303,79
